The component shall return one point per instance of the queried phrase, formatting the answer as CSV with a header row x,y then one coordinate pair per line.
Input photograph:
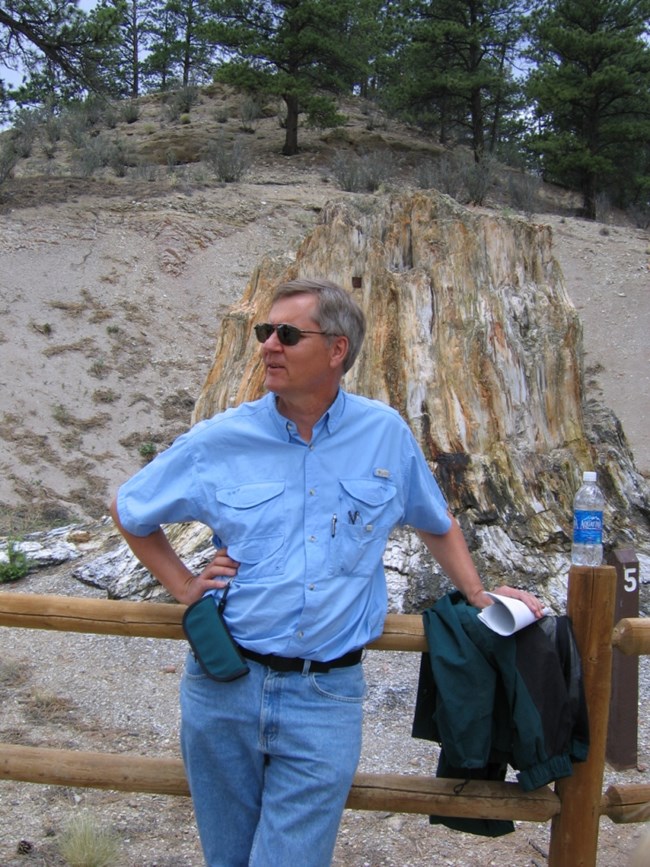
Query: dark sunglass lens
x,y
288,335
264,331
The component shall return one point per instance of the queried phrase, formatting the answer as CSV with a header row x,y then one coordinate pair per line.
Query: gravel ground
x,y
120,695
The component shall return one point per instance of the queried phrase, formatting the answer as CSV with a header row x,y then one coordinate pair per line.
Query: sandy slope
x,y
607,273
109,309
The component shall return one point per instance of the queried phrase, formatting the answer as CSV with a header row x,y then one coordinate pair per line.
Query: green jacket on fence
x,y
493,701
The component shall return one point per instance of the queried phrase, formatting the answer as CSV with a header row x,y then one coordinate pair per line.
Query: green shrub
x,y
249,112
25,131
52,128
479,178
147,451
91,155
363,173
16,565
81,117
119,158
322,113
62,415
523,192
130,111
74,127
181,101
98,368
228,161
639,213
8,159
111,116
445,173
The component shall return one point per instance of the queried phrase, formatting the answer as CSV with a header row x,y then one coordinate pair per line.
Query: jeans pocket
x,y
193,670
341,684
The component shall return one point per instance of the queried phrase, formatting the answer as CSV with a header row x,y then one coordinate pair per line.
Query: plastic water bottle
x,y
587,548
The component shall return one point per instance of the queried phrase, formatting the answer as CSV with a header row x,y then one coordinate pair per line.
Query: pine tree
x,y
56,46
591,94
303,51
159,67
452,66
177,50
122,57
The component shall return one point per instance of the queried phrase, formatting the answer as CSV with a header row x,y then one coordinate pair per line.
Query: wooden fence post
x,y
590,604
623,731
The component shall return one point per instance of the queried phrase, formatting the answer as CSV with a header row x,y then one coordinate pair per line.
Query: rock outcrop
x,y
472,337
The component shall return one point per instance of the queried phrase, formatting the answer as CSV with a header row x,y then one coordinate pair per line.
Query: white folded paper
x,y
507,615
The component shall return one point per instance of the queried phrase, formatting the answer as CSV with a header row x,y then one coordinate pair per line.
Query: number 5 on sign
x,y
631,578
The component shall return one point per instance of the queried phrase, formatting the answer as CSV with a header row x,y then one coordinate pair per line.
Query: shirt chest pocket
x,y
368,511
250,520
366,503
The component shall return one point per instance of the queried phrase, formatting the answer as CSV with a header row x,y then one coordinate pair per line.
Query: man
x,y
301,489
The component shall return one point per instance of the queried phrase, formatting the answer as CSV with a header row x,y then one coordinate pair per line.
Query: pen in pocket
x,y
333,525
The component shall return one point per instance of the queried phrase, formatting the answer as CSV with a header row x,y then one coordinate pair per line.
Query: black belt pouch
x,y
212,644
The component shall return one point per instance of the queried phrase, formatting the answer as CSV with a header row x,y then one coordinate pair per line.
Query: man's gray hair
x,y
338,313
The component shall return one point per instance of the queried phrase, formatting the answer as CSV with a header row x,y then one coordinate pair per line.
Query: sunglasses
x,y
288,335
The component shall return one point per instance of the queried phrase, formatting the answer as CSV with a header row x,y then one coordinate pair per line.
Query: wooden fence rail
x,y
574,808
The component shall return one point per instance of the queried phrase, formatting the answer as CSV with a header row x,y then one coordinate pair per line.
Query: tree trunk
x,y
443,103
135,51
498,101
291,137
589,197
478,137
187,44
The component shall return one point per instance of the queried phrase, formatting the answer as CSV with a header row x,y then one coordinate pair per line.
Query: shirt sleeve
x,y
165,491
426,507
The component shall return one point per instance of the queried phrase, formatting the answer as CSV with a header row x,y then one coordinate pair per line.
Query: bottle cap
x,y
589,477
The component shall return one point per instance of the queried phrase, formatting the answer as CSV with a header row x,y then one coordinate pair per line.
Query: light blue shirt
x,y
308,522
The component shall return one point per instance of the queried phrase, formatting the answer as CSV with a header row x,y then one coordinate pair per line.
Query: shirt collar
x,y
330,419
334,414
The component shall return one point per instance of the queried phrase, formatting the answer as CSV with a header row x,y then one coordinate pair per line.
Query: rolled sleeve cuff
x,y
128,520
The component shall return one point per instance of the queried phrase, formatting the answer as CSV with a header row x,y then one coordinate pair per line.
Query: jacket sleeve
x,y
457,688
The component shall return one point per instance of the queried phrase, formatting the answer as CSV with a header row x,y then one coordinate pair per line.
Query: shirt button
x,y
312,538
299,634
312,492
312,586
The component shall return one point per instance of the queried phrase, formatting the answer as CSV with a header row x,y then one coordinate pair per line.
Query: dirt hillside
x,y
112,289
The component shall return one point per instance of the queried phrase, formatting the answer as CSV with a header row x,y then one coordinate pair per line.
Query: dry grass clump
x,y
44,707
13,673
85,843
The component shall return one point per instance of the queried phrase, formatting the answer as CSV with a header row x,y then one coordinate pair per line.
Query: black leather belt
x,y
292,663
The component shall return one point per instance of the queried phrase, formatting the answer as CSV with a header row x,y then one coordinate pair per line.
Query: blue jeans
x,y
270,758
